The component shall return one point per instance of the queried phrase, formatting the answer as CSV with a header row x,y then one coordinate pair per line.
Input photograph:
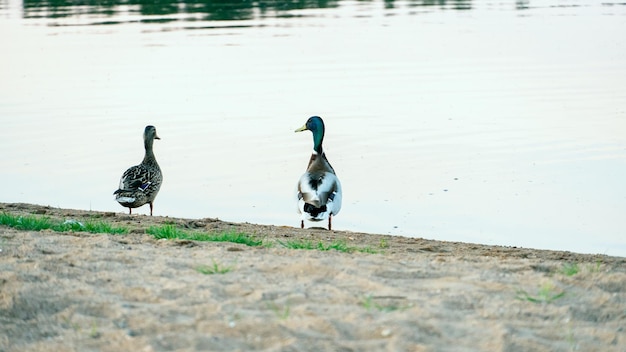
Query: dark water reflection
x,y
213,10
208,10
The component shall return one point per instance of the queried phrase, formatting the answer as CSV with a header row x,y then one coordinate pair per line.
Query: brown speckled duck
x,y
141,183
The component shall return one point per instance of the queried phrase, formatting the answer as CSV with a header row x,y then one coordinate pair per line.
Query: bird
x,y
319,189
141,183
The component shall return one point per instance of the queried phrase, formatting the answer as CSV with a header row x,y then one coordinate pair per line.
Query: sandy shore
x,y
99,292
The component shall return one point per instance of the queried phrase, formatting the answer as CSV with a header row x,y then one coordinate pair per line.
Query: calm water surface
x,y
497,122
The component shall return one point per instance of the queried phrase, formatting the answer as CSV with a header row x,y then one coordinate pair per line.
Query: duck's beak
x,y
156,137
303,128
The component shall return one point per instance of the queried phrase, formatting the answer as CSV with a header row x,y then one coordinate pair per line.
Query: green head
x,y
316,126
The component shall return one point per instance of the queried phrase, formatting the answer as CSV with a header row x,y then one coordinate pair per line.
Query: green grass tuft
x,y
367,250
103,227
167,231
28,223
369,303
173,232
231,236
216,268
281,313
38,223
570,269
336,245
595,268
340,246
546,294
291,244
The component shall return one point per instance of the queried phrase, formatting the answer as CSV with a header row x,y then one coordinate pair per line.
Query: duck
x,y
140,184
319,189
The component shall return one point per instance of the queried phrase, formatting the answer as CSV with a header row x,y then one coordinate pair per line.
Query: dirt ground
x,y
100,292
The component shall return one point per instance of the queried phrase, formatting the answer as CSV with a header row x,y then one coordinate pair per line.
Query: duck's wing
x,y
138,178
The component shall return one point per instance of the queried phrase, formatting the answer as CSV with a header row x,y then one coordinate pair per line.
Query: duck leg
x,y
301,224
330,217
130,211
150,208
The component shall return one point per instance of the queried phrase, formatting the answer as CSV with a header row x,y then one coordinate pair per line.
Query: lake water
x,y
495,122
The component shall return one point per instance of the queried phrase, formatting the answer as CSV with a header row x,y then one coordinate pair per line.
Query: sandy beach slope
x,y
99,292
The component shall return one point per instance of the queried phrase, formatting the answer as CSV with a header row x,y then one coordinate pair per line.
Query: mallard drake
x,y
141,183
319,189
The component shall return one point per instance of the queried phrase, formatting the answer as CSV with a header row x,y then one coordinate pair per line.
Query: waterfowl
x,y
319,189
141,183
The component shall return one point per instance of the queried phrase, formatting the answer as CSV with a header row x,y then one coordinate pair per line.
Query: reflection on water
x,y
478,121
161,10
211,10
171,11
